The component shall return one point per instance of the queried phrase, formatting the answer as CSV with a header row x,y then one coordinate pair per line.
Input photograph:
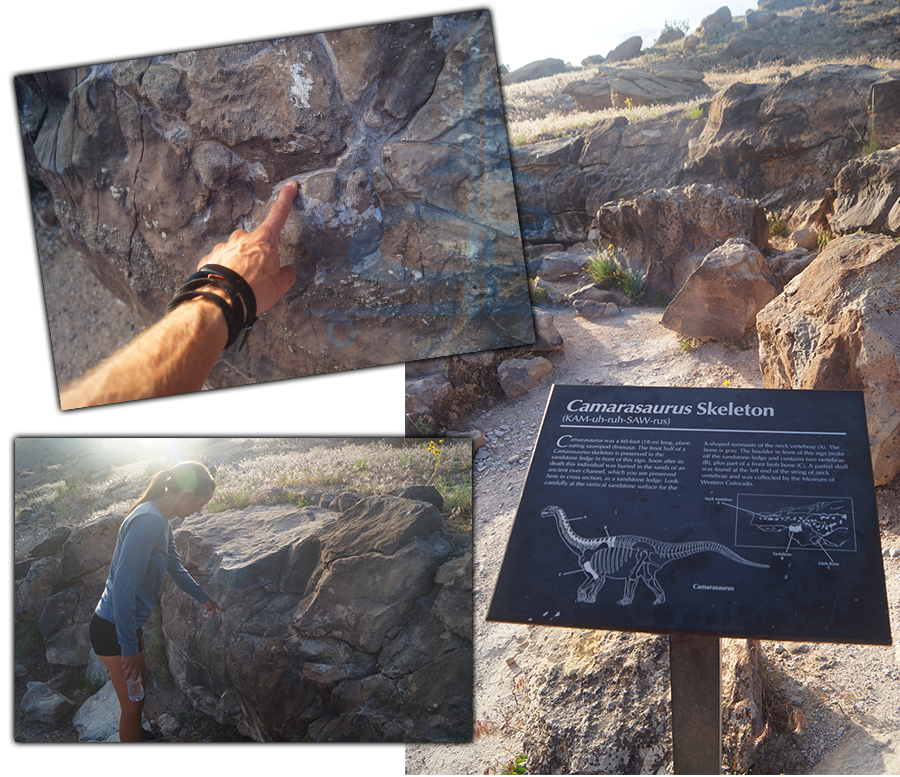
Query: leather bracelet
x,y
246,292
231,320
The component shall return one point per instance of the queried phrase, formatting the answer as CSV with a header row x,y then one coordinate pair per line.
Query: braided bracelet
x,y
239,318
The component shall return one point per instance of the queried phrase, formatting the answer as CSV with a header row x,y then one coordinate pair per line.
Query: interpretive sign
x,y
732,512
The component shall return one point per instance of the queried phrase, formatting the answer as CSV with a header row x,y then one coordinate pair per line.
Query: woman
x,y
145,552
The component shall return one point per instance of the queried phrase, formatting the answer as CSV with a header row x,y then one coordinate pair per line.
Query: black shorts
x,y
104,640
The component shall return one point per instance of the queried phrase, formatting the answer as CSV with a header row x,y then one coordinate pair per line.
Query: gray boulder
x,y
723,295
627,49
332,629
534,70
154,161
43,705
518,376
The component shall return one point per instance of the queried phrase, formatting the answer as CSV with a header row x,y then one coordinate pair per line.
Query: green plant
x,y
684,25
517,765
361,465
424,428
605,270
777,225
686,344
823,239
660,300
695,113
537,293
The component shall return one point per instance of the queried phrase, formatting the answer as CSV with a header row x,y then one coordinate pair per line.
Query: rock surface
x,y
835,326
153,161
868,194
664,234
625,87
721,298
340,626
782,144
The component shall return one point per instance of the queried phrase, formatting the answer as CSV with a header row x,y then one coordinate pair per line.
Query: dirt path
x,y
846,689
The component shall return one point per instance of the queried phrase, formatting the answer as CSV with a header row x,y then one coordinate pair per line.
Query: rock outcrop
x,y
340,626
399,252
783,144
868,194
664,234
835,326
721,298
612,87
583,719
534,70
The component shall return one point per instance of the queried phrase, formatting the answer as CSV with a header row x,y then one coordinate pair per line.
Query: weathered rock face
x,y
340,626
664,234
786,143
782,144
533,70
561,183
61,592
620,87
405,243
868,194
835,326
597,703
723,295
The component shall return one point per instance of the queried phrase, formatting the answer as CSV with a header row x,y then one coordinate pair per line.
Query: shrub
x,y
605,270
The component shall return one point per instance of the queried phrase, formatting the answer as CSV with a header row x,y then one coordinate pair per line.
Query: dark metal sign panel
x,y
734,512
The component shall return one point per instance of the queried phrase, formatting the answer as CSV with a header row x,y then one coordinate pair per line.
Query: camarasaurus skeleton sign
x,y
730,512
629,558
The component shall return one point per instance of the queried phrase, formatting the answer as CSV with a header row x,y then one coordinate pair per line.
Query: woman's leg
x,y
131,711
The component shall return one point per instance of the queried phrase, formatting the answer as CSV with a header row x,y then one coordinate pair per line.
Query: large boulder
x,y
868,194
624,87
534,70
627,49
338,625
664,234
399,255
723,295
73,584
835,326
784,144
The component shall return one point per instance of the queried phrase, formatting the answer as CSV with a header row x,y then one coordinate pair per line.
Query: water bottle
x,y
135,689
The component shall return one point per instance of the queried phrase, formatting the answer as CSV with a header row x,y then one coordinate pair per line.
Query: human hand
x,y
254,255
212,608
131,667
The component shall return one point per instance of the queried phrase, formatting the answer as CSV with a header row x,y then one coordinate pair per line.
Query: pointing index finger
x,y
281,209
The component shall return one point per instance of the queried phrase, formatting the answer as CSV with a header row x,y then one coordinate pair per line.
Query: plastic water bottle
x,y
135,689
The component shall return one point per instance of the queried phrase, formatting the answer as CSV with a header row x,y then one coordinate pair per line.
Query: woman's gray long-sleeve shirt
x,y
145,552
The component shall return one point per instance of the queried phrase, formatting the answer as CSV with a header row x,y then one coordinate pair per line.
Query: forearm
x,y
173,356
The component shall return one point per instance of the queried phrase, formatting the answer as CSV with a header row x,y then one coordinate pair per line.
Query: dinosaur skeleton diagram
x,y
821,525
627,557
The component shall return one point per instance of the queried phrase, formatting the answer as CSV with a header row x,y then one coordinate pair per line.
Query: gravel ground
x,y
86,322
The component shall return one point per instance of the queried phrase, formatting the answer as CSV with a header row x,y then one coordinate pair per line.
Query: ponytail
x,y
187,476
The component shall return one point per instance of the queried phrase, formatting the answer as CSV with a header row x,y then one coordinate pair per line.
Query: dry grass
x,y
539,108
